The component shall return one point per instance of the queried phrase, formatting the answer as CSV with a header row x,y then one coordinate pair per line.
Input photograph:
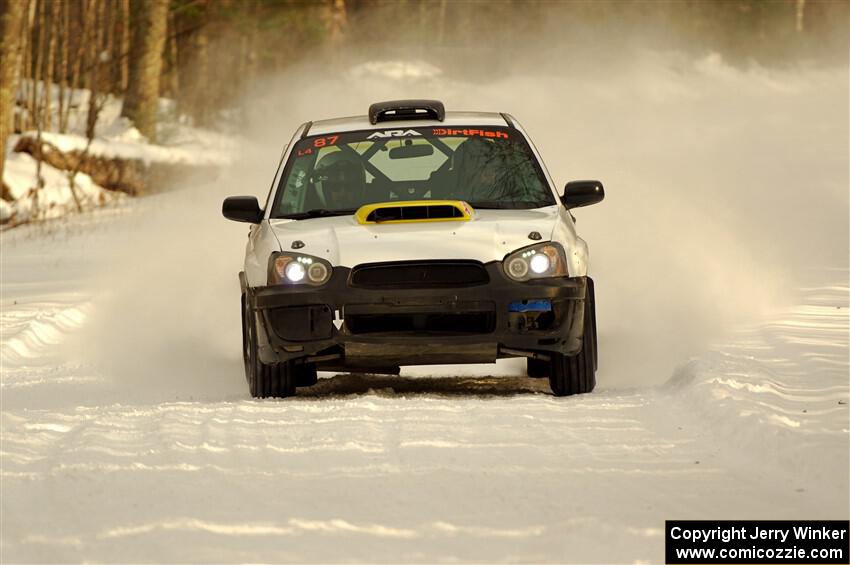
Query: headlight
x,y
294,271
294,268
536,262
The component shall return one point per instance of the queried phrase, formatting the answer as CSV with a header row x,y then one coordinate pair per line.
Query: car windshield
x,y
488,167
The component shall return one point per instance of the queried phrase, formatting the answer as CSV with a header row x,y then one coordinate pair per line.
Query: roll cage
x,y
440,182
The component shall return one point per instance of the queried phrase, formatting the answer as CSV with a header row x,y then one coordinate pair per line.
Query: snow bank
x,y
203,148
54,199
115,138
115,135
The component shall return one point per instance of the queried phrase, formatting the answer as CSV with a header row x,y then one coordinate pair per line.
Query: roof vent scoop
x,y
406,110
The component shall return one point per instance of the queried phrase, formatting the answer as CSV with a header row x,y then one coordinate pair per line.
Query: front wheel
x,y
576,374
275,380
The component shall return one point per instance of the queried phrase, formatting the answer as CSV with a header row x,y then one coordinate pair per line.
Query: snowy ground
x,y
103,467
128,434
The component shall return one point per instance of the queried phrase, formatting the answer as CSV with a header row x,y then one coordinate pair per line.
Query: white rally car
x,y
414,236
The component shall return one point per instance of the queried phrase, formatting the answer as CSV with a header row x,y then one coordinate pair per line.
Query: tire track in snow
x,y
31,332
159,475
779,392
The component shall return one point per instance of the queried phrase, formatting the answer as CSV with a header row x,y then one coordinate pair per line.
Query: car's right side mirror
x,y
580,193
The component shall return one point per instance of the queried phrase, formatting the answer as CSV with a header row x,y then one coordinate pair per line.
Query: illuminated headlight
x,y
538,261
294,271
291,268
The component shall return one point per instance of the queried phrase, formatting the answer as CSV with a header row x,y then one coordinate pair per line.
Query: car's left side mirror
x,y
242,209
580,193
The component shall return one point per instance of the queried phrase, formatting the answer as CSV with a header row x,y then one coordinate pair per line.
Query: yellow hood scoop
x,y
410,211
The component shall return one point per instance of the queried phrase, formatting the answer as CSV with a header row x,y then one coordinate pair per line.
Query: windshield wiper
x,y
317,213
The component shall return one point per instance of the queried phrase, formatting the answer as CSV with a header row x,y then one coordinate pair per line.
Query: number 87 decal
x,y
323,141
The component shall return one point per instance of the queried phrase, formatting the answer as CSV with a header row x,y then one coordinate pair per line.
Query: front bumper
x,y
339,325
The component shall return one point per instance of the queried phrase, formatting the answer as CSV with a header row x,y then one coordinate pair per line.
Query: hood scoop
x,y
410,211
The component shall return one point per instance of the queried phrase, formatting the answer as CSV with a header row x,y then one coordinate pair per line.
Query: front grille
x,y
432,323
419,274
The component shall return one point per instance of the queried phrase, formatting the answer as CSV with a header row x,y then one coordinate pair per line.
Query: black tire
x,y
591,292
305,375
537,368
576,374
264,381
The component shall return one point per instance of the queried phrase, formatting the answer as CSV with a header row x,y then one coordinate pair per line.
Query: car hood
x,y
488,236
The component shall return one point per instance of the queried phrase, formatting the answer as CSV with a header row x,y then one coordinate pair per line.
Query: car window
x,y
488,167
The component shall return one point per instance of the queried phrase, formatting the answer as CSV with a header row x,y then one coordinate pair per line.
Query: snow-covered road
x,y
721,266
186,468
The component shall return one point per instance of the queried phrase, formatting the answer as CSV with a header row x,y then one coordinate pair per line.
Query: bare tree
x,y
94,60
38,108
12,18
50,28
336,22
26,69
64,55
799,14
124,49
81,34
174,59
149,26
441,24
39,42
